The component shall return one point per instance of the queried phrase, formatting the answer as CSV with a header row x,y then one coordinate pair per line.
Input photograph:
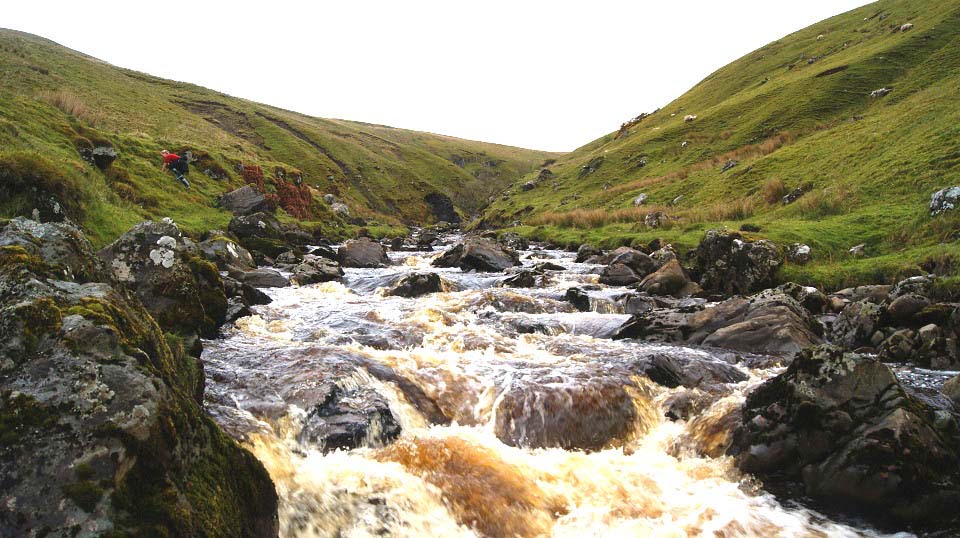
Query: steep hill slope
x,y
795,114
55,101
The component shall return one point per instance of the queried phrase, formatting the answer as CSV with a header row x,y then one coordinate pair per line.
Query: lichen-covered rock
x,y
363,252
856,324
944,200
514,241
809,297
183,292
260,232
315,269
768,322
100,417
843,426
729,264
478,254
799,253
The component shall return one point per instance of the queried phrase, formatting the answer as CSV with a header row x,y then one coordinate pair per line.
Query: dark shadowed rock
x,y
244,201
730,264
842,425
103,432
640,263
260,232
350,418
442,207
417,284
578,298
363,252
856,324
103,156
525,278
478,254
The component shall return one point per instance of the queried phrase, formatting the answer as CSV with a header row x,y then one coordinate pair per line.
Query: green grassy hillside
x,y
55,101
796,113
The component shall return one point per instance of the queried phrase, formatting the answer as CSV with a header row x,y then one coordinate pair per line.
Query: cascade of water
x,y
517,416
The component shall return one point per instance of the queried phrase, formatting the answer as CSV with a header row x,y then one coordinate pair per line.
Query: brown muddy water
x,y
518,415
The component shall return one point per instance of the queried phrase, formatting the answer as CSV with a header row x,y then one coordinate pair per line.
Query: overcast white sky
x,y
549,75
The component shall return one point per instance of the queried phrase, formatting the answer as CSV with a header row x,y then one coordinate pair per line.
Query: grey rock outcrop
x,y
729,264
478,254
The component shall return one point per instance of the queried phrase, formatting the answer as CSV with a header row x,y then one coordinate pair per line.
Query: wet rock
x,y
843,426
183,292
768,322
951,389
799,254
478,254
226,253
350,418
100,409
588,413
670,279
315,269
578,298
587,251
524,278
548,266
944,200
618,274
363,252
856,324
237,308
678,371
264,278
417,284
244,201
288,259
731,265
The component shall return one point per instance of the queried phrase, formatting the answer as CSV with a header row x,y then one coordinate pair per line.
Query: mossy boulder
x,y
101,426
843,426
729,263
183,292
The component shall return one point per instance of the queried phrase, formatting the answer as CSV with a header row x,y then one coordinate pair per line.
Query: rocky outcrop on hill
x,y
843,426
260,232
103,430
478,254
244,201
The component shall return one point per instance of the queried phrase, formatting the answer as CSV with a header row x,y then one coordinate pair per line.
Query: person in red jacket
x,y
175,163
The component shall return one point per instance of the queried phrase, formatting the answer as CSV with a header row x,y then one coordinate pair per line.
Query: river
x,y
517,414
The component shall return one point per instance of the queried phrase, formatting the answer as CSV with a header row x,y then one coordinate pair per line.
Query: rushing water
x,y
494,389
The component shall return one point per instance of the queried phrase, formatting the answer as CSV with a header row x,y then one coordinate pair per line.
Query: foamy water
x,y
511,400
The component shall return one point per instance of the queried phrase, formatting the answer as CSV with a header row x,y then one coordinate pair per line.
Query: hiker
x,y
176,164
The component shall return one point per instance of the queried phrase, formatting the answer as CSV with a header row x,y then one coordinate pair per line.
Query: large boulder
x,y
768,322
619,274
264,278
182,291
349,418
416,285
244,201
586,252
478,254
730,264
363,252
843,426
102,426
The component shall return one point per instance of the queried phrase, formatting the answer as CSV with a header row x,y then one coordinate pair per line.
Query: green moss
x,y
84,493
270,247
28,180
19,416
